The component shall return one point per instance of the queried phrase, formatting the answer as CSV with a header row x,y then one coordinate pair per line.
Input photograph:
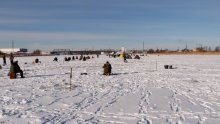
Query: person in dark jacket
x,y
124,57
36,60
107,68
4,60
55,59
11,58
84,58
14,69
137,57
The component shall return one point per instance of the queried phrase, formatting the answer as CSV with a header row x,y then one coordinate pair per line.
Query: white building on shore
x,y
13,50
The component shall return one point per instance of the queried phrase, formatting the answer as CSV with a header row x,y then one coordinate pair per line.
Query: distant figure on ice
x,y
84,58
124,57
137,57
97,55
11,58
14,69
55,59
88,57
37,60
67,59
73,58
107,68
4,60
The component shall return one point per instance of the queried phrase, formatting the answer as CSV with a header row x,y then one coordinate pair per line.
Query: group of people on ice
x,y
15,68
83,58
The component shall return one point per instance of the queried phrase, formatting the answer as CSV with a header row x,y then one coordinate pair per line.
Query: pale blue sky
x,y
100,24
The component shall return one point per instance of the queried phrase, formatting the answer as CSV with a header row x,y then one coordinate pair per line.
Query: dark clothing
x,y
67,59
4,60
124,56
137,57
36,60
55,59
15,68
107,69
84,58
11,58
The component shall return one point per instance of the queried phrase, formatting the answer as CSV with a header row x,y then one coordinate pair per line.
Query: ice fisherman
x,y
4,60
11,58
84,58
107,68
14,69
55,59
124,57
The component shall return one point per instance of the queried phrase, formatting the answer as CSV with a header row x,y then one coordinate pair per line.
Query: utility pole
x,y
12,46
143,46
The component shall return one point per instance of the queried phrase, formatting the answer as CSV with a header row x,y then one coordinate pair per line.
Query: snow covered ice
x,y
136,93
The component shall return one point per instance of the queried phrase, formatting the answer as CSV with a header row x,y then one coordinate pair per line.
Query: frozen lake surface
x,y
138,92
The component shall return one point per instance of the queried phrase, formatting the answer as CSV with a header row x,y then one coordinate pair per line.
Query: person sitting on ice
x,y
88,57
124,57
84,58
107,68
137,57
11,58
14,69
37,60
55,59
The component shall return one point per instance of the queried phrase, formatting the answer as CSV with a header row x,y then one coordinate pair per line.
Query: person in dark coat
x,y
11,58
14,69
65,59
107,68
124,57
84,58
36,60
4,60
137,57
73,58
55,59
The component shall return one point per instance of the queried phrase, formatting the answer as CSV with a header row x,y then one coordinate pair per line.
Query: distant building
x,y
15,50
